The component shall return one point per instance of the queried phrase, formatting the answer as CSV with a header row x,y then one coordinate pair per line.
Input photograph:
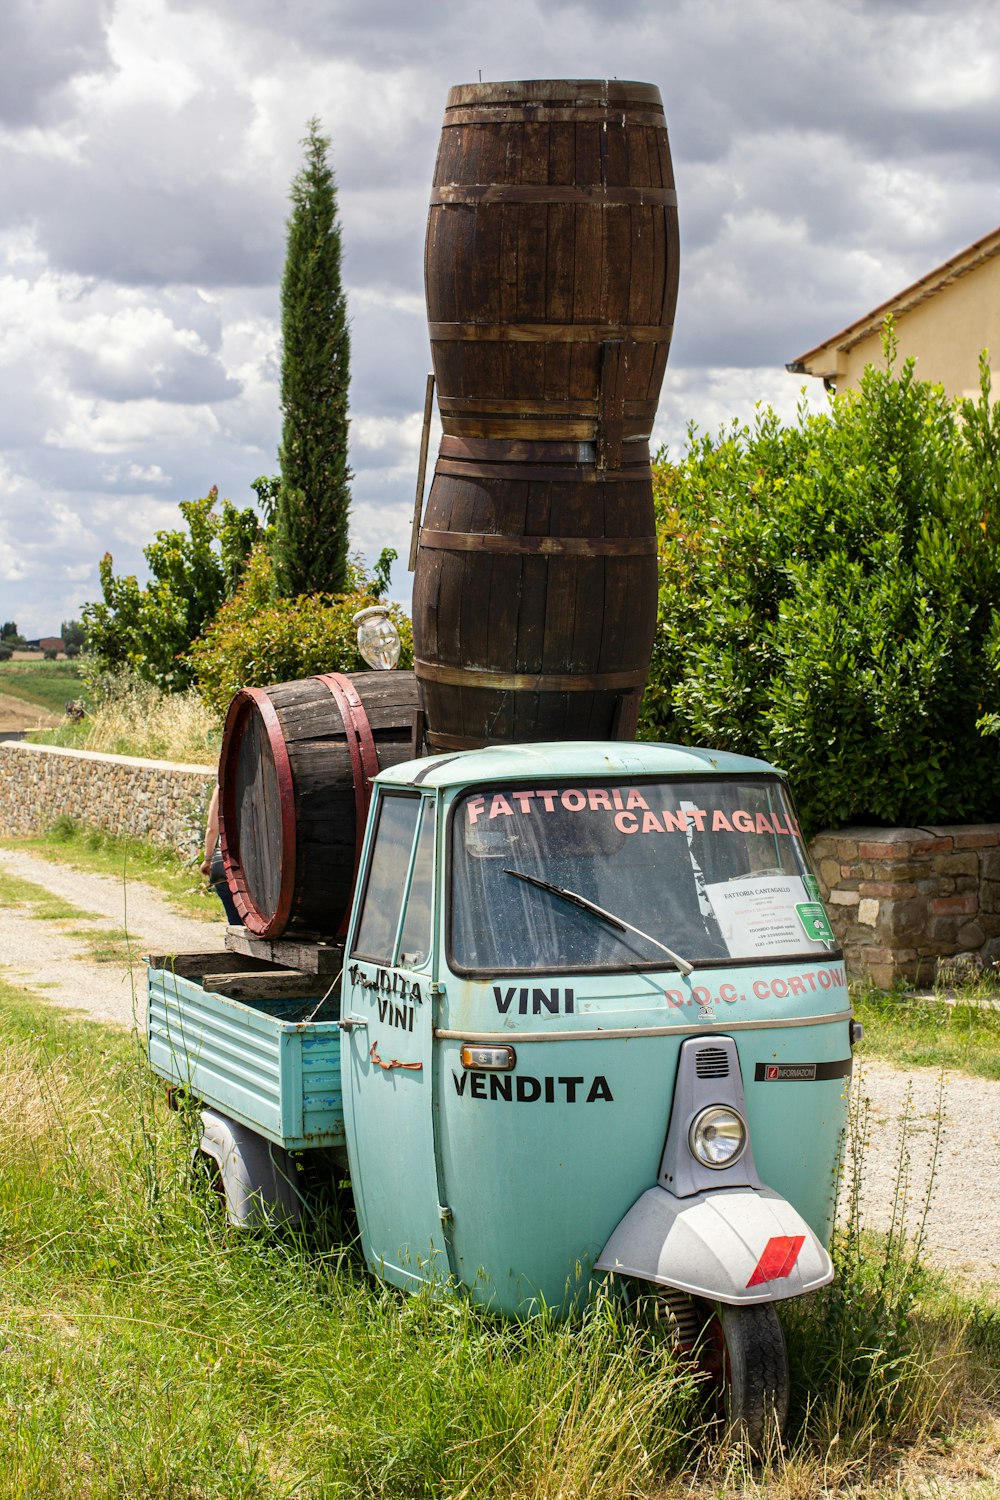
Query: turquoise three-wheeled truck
x,y
592,1023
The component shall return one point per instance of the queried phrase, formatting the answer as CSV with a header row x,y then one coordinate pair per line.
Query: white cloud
x,y
827,152
121,426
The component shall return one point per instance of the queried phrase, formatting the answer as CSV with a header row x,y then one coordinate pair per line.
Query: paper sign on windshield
x,y
760,914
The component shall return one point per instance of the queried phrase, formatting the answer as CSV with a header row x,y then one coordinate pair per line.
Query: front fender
x,y
735,1245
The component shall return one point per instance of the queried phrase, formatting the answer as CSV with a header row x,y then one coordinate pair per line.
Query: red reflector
x,y
778,1260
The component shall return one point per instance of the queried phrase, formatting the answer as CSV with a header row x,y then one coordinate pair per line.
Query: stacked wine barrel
x,y
294,788
551,278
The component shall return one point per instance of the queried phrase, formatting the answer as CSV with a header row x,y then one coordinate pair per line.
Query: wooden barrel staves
x,y
294,775
534,597
551,276
551,260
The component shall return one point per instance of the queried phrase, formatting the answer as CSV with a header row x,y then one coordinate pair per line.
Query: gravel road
x,y
961,1235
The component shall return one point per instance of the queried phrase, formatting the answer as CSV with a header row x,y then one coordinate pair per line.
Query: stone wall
x,y
149,799
901,898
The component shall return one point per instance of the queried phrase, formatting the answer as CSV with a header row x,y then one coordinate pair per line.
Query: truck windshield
x,y
714,870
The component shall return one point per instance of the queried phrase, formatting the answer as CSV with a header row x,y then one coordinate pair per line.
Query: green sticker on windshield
x,y
815,922
811,886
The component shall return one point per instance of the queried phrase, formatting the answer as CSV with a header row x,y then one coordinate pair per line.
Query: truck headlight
x,y
718,1136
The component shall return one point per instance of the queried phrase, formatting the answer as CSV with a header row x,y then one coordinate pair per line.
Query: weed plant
x,y
150,1352
131,717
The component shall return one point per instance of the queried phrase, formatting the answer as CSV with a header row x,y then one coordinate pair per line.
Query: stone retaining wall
x,y
149,799
901,898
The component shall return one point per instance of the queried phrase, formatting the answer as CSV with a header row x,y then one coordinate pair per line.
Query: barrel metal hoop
x,y
472,194
541,409
544,546
236,725
582,407
529,682
552,114
364,759
550,333
635,451
526,473
613,93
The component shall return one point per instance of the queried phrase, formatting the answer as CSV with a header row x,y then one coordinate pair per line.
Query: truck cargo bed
x,y
258,1058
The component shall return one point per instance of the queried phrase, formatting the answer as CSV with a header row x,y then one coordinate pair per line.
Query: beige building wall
x,y
944,335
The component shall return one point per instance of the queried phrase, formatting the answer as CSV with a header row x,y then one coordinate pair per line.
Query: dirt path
x,y
962,1220
962,1235
48,955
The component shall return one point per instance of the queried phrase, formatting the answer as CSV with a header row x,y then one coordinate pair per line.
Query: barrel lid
x,y
564,91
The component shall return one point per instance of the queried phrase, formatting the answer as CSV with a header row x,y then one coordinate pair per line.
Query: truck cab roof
x,y
568,760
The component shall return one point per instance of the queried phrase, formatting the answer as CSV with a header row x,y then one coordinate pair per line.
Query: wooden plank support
x,y
610,424
294,953
279,984
194,965
418,503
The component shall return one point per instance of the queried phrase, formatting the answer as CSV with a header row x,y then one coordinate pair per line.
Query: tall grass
x,y
148,1351
891,1371
131,717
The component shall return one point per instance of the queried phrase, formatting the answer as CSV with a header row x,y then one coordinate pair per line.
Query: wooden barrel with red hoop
x,y
551,260
294,788
534,594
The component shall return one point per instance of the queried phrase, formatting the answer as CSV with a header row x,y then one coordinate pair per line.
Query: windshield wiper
x,y
598,911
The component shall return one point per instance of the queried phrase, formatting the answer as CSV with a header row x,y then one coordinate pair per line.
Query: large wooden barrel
x,y
294,781
534,595
551,260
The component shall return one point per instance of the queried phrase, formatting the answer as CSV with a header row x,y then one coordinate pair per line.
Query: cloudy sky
x,y
827,152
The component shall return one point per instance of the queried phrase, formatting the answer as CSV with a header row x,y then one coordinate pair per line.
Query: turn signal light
x,y
488,1059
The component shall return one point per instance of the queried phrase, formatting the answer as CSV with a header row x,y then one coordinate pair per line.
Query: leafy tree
x,y
10,634
147,631
73,633
311,535
256,638
830,600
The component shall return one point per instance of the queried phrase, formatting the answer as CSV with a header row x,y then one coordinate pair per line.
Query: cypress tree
x,y
311,539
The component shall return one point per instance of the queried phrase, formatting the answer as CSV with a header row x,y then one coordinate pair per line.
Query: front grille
x,y
711,1062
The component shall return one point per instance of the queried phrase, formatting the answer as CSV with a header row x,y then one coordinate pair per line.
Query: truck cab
x,y
538,931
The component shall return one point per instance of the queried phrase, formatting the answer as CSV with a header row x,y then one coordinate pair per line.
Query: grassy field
x,y
48,684
148,1352
960,1032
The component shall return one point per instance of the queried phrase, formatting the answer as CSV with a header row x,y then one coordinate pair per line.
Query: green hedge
x,y
258,639
829,598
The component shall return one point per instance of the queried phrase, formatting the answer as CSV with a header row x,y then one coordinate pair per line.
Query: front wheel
x,y
756,1384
